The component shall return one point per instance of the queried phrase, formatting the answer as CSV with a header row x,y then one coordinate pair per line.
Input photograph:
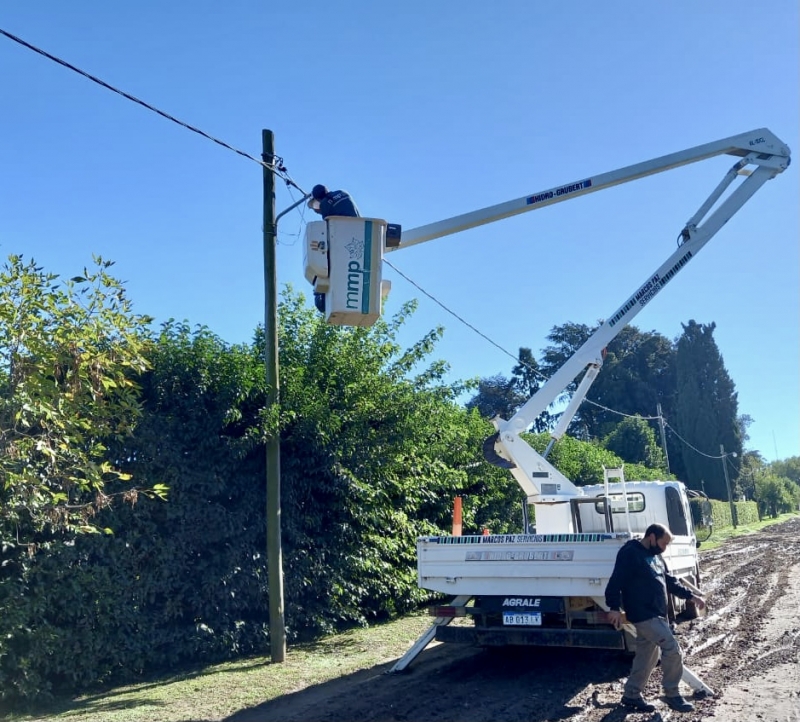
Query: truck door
x,y
676,512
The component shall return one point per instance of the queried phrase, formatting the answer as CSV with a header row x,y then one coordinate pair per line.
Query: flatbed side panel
x,y
551,568
514,564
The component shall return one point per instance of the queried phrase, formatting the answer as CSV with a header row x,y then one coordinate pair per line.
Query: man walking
x,y
639,584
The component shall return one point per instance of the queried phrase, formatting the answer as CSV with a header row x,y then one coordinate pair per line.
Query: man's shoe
x,y
679,704
638,703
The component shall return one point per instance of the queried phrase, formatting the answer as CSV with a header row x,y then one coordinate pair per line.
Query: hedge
x,y
719,515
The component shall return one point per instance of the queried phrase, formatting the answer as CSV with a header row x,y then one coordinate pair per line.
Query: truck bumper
x,y
502,636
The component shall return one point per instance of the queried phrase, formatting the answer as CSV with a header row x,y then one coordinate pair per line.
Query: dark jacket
x,y
640,582
338,203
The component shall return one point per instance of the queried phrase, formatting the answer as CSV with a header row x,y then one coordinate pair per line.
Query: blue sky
x,y
422,110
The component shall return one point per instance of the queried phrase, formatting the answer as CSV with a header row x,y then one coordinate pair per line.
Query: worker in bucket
x,y
639,584
330,203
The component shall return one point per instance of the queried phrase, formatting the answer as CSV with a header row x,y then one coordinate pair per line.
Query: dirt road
x,y
747,649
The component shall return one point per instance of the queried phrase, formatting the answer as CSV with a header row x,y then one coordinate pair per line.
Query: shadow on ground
x,y
456,684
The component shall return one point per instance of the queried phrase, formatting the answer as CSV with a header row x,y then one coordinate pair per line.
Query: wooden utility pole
x,y
728,483
277,627
663,435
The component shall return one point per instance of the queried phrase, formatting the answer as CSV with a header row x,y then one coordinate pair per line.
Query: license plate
x,y
532,619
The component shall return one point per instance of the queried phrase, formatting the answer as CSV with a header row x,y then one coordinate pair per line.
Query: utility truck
x,y
547,587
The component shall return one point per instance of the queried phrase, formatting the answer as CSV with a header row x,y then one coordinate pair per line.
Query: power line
x,y
693,448
622,413
505,351
274,164
462,320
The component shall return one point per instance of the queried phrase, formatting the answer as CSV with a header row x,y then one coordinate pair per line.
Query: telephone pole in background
x,y
663,434
728,481
277,627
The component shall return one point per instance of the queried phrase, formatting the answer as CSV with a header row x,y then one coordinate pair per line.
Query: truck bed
x,y
558,565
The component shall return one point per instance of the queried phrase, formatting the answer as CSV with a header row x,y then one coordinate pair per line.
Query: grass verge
x,y
719,537
216,692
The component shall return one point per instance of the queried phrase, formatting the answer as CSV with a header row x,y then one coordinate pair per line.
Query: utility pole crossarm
x,y
761,141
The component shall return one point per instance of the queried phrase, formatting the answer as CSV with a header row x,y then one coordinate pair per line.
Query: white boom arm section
x,y
762,156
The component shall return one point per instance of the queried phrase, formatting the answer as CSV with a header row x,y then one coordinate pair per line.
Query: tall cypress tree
x,y
706,409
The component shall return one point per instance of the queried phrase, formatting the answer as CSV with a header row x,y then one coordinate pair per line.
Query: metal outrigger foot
x,y
427,637
689,677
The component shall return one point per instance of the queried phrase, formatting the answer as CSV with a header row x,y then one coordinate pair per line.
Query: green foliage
x,y
496,396
720,514
68,351
69,355
751,468
634,441
501,396
638,373
582,462
374,449
746,512
789,468
776,495
707,409
177,581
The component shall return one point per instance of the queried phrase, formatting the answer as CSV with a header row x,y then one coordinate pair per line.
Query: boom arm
x,y
761,140
542,482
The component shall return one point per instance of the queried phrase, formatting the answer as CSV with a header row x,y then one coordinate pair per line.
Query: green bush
x,y
720,518
373,452
746,512
720,514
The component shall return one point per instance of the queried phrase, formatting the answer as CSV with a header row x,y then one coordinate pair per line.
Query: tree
x,y
752,468
502,396
373,452
497,396
706,409
776,495
68,353
528,379
638,374
634,441
790,468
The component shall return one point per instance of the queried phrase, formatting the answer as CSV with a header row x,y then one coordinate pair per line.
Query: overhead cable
x,y
275,164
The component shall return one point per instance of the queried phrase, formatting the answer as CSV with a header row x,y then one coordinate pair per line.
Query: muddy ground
x,y
747,648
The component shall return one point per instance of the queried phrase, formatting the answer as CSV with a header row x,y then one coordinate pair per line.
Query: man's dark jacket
x,y
338,203
639,584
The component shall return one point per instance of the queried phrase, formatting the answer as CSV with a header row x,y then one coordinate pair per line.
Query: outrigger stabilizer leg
x,y
427,637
